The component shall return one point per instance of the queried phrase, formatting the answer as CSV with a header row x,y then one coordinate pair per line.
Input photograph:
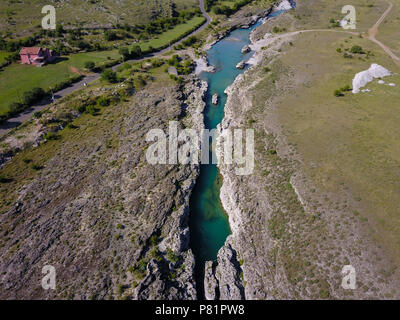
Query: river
x,y
209,225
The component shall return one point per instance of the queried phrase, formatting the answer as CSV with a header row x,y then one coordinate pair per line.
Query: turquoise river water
x,y
209,225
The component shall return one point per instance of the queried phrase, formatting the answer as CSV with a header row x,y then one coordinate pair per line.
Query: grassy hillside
x,y
25,15
346,147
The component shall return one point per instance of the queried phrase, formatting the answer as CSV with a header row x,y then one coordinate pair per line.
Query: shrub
x,y
110,35
124,52
90,65
103,102
15,107
109,76
338,93
345,88
33,96
36,167
357,49
51,136
172,256
91,110
37,114
136,51
72,126
118,237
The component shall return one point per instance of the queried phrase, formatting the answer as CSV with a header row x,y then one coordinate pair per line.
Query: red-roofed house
x,y
36,55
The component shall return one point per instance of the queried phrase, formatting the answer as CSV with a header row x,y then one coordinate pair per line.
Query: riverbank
x,y
294,223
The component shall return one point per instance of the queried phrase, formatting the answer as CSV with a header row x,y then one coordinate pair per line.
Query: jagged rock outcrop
x,y
211,291
223,280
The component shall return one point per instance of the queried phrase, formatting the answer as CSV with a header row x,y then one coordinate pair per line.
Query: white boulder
x,y
361,79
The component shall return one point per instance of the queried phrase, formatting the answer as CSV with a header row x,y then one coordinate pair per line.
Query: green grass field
x,y
171,35
17,78
349,141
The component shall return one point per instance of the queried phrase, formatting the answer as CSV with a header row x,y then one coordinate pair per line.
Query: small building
x,y
36,55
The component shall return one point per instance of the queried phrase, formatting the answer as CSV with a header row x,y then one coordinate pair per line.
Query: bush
x,y
37,114
124,52
36,167
136,51
338,93
15,108
109,76
110,35
171,256
103,102
51,136
346,88
33,96
357,49
90,65
91,110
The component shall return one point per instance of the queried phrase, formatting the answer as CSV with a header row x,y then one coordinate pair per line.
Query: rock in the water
x,y
246,49
215,99
241,65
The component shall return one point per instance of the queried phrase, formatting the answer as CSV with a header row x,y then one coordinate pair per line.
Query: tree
x,y
136,51
109,76
33,96
124,52
357,49
90,65
59,30
110,35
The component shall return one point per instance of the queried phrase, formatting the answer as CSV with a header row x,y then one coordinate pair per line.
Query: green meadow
x,y
172,35
17,79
